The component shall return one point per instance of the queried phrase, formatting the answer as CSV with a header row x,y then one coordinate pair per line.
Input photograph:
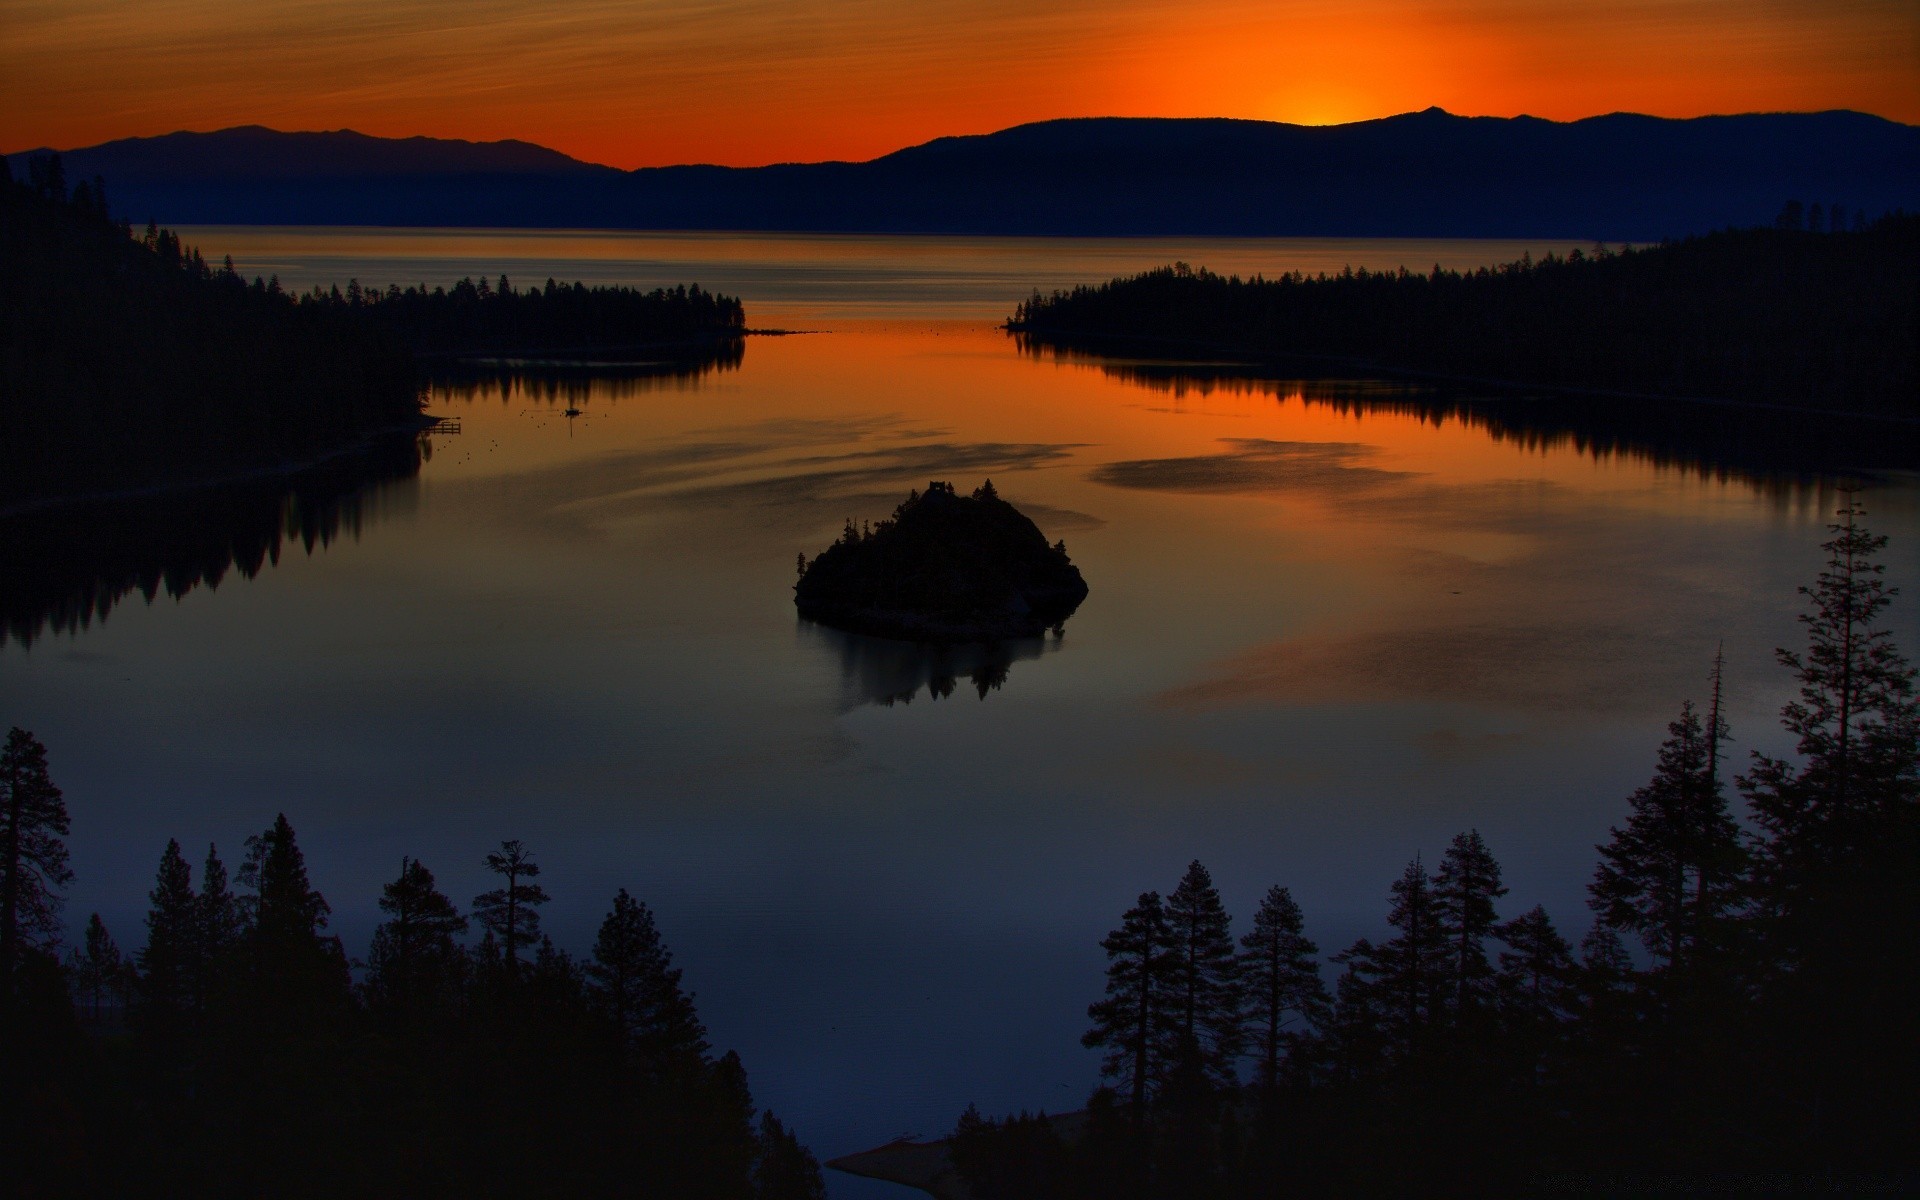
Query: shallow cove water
x,y
1327,631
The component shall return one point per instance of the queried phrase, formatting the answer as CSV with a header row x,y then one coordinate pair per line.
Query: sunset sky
x,y
648,82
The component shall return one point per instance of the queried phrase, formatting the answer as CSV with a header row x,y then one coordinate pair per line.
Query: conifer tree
x,y
292,961
1853,795
1834,874
635,984
1463,894
1139,1016
1414,966
512,912
1204,977
783,1169
413,965
219,924
33,856
1536,969
1605,966
1672,870
1356,1037
99,971
169,965
1281,978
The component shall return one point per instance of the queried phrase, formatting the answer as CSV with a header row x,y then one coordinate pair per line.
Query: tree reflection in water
x,y
883,671
68,567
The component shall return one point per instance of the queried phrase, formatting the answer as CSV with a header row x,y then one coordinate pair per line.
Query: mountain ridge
x,y
1615,176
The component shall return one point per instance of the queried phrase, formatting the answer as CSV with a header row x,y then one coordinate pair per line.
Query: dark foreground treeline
x,y
234,1056
131,362
1785,316
1763,1040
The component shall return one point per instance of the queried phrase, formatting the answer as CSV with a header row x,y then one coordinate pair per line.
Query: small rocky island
x,y
944,568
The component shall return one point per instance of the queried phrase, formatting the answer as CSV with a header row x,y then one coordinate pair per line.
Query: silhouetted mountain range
x,y
1425,174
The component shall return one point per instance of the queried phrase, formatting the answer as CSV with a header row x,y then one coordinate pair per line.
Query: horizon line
x,y
1434,109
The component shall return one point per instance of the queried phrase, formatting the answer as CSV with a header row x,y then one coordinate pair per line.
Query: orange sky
x,y
642,82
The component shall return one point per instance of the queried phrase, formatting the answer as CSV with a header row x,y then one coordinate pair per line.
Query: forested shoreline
x,y
130,363
1815,313
1759,1036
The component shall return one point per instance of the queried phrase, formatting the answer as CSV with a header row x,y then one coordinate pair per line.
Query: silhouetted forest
x,y
127,362
130,362
1739,1017
1793,315
234,1054
944,568
483,318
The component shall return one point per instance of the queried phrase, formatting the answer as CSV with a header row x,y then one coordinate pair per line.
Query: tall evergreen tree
x,y
1536,970
99,970
1854,793
1204,977
783,1169
414,966
1139,1016
33,854
1281,978
219,925
169,965
1414,966
1672,871
1464,890
635,984
512,912
1356,1038
1834,878
291,959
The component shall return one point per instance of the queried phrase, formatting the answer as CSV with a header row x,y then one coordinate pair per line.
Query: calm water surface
x,y
1321,638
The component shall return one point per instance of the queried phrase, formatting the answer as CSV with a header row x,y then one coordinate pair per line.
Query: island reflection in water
x,y
887,672
554,379
1767,448
68,567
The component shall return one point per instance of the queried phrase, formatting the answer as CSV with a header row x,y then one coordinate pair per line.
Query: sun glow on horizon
x,y
747,82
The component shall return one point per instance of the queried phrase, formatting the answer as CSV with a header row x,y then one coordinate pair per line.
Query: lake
x,y
1332,623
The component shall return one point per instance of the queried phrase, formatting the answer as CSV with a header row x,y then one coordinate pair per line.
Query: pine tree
x,y
1204,977
1671,871
1414,967
218,926
291,960
33,856
1463,894
783,1169
413,966
1139,1015
1536,970
1854,794
99,971
1834,875
635,984
512,911
1281,977
1356,1037
169,965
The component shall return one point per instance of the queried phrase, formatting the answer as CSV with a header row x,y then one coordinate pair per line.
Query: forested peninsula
x,y
1821,311
128,362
